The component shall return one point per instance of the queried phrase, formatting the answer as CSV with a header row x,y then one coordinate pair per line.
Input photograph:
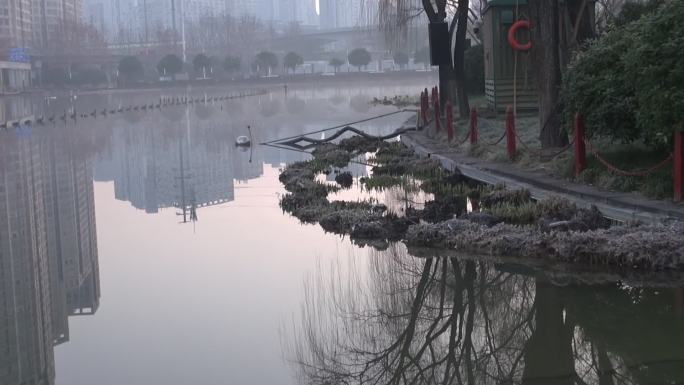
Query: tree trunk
x,y
545,15
445,75
459,58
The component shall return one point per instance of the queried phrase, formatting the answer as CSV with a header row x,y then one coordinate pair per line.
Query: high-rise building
x,y
116,20
16,27
51,18
347,13
296,11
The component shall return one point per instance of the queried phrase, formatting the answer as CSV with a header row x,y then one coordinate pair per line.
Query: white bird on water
x,y
244,141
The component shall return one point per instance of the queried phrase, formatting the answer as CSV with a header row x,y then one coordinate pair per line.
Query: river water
x,y
143,247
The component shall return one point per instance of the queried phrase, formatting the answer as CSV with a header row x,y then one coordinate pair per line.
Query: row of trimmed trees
x,y
131,69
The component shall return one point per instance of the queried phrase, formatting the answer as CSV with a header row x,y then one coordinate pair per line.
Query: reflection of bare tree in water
x,y
448,320
417,321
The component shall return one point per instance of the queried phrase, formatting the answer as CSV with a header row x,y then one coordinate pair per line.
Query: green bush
x,y
632,10
628,83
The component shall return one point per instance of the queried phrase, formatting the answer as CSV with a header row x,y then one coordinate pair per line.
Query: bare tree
x,y
559,28
396,15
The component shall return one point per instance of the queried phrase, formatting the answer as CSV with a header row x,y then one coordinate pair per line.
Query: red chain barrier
x,y
497,142
462,142
540,152
614,169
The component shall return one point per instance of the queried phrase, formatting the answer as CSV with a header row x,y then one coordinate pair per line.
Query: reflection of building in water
x,y
25,331
72,241
159,167
15,109
48,253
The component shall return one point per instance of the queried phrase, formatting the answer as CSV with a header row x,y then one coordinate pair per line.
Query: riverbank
x,y
238,84
464,215
619,206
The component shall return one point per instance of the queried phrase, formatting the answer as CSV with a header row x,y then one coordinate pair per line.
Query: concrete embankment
x,y
622,207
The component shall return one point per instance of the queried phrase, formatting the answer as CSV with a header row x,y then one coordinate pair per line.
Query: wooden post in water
x,y
580,146
510,133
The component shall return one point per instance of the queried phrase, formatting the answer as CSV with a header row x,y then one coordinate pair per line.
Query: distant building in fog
x,y
347,13
52,17
283,11
16,25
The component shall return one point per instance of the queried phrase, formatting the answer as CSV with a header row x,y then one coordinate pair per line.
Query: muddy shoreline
x,y
466,216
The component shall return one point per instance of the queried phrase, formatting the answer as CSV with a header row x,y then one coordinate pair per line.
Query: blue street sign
x,y
19,55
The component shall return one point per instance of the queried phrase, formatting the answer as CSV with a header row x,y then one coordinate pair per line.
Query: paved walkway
x,y
614,205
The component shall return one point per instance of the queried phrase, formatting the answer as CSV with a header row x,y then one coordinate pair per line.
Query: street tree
x,y
559,29
292,60
89,76
170,65
336,63
401,59
266,61
56,76
131,69
232,64
202,64
360,57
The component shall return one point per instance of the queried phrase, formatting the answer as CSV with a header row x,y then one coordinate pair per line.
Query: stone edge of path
x,y
621,207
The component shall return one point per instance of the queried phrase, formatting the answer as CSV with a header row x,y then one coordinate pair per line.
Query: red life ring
x,y
513,41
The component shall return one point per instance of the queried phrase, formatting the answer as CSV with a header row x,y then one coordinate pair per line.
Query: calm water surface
x,y
144,248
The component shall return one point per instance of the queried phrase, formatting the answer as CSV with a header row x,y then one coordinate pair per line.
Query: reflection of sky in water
x,y
195,303
203,303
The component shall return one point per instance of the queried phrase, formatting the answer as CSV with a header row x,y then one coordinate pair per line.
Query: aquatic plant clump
x,y
501,223
657,247
367,223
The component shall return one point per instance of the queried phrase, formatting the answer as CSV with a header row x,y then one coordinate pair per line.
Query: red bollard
x,y
473,126
427,108
422,107
580,146
679,167
450,121
438,120
510,133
